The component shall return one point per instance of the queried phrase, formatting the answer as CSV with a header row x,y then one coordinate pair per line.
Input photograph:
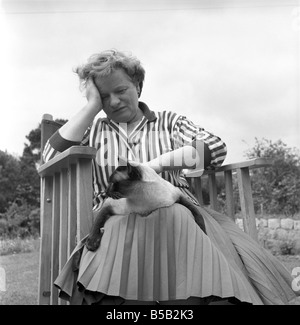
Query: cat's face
x,y
125,180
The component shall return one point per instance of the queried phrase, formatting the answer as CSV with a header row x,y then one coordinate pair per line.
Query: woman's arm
x,y
193,147
186,157
73,131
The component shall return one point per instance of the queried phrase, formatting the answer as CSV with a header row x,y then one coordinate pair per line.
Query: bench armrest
x,y
65,159
251,163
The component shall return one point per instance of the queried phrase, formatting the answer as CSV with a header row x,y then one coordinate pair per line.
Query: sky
x,y
232,67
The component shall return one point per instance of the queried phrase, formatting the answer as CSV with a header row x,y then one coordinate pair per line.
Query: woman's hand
x,y
74,129
93,96
154,164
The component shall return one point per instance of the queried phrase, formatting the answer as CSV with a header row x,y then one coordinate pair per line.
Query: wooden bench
x,y
66,204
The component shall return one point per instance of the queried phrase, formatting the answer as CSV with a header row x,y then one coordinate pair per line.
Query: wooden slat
x,y
63,239
63,222
55,237
84,197
229,194
44,288
247,205
213,191
197,185
72,210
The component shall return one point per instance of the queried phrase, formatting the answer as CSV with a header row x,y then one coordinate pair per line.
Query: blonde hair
x,y
104,63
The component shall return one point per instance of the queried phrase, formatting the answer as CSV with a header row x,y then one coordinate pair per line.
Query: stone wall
x,y
281,236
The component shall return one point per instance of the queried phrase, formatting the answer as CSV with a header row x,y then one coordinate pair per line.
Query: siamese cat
x,y
137,189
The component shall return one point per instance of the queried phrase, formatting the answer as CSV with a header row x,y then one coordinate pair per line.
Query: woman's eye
x,y
122,91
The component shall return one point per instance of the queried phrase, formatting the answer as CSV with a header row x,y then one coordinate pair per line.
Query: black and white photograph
x,y
149,155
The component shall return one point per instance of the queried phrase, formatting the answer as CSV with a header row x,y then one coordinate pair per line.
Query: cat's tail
x,y
195,211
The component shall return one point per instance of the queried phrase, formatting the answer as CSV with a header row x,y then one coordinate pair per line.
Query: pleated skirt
x,y
166,256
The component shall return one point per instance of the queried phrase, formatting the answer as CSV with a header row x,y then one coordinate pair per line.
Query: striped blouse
x,y
156,134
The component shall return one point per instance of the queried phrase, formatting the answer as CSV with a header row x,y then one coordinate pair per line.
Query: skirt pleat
x,y
166,256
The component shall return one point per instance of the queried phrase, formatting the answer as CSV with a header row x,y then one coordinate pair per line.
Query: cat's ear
x,y
134,172
131,166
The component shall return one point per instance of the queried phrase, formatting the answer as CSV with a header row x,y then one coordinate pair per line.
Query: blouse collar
x,y
150,115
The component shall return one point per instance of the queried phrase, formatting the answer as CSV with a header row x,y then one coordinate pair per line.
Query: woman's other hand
x,y
154,164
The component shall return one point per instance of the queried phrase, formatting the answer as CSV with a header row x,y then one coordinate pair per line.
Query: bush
x,y
20,220
3,227
286,247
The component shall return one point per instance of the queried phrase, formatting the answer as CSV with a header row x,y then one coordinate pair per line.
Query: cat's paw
x,y
93,241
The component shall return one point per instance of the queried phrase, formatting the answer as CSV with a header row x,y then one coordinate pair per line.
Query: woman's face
x,y
119,97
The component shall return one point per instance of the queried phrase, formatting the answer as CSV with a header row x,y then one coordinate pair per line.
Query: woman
x,y
158,259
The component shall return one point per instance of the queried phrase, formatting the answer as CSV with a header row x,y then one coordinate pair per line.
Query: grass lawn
x,y
22,277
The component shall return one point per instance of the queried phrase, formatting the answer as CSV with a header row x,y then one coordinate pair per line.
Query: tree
x,y
276,189
9,179
29,185
28,189
20,188
33,149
